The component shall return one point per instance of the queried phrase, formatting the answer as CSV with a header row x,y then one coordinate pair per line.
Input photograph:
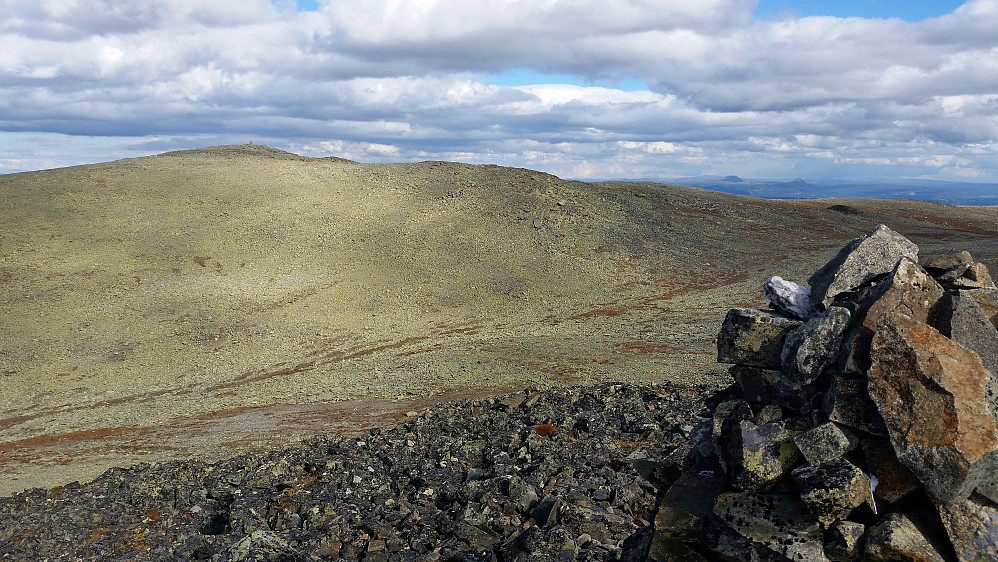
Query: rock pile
x,y
862,423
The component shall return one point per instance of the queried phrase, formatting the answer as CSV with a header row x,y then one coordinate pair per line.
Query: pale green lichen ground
x,y
180,290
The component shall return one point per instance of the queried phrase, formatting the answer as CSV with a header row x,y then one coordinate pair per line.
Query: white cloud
x,y
402,79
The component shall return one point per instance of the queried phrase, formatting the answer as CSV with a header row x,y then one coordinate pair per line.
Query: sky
x,y
583,89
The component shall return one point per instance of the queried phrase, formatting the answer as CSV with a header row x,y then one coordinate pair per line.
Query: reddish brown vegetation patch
x,y
545,428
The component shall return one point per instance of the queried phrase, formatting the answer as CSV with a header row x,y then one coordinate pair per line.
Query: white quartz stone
x,y
788,297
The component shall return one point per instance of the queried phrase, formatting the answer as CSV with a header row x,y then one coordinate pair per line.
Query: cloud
x,y
407,80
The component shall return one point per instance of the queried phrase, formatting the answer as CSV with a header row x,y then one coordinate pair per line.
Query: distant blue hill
x,y
953,193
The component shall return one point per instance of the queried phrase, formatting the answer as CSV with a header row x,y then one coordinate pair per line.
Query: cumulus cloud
x,y
409,79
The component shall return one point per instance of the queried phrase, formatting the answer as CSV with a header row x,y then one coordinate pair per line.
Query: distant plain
x,y
229,299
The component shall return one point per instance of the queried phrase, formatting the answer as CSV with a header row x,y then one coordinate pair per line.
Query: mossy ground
x,y
210,301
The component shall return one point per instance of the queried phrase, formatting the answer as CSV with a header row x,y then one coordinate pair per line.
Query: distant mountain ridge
x,y
949,192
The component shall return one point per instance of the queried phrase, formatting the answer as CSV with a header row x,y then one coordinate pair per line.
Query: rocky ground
x,y
567,474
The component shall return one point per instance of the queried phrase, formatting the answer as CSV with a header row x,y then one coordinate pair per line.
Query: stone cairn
x,y
862,422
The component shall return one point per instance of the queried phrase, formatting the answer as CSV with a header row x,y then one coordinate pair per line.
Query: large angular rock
x,y
764,386
894,479
832,490
989,490
897,538
940,264
962,320
664,549
825,442
933,395
909,290
778,521
688,502
731,545
972,526
848,402
987,299
967,276
726,434
844,541
788,297
810,348
859,262
752,337
767,452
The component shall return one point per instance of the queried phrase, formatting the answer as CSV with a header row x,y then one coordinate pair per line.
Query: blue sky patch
x,y
907,10
526,77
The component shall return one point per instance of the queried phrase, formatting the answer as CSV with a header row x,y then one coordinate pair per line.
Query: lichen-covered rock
x,y
859,262
767,452
897,537
753,337
844,541
777,521
894,479
909,290
972,526
810,348
832,490
848,403
825,442
788,297
766,386
933,395
729,544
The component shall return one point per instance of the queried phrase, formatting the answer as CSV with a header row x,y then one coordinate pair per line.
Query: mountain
x,y
207,302
950,192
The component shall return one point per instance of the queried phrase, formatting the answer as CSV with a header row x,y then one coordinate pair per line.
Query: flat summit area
x,y
209,302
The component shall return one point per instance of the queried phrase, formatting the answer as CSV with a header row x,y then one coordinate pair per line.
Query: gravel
x,y
567,474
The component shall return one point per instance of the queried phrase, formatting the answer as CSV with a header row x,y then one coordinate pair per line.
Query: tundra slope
x,y
231,299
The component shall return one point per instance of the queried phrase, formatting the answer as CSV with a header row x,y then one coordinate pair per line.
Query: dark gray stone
x,y
859,262
848,403
763,386
894,479
777,521
810,348
989,489
832,490
752,337
727,435
897,538
940,264
972,526
967,276
962,319
844,541
688,502
987,299
665,549
825,442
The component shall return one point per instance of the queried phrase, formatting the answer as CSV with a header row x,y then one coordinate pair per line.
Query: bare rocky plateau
x,y
236,299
